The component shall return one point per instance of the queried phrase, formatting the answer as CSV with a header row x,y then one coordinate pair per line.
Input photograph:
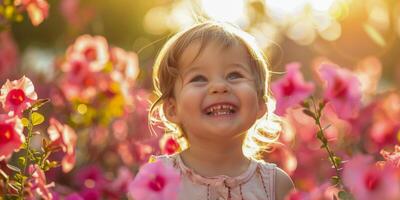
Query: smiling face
x,y
215,95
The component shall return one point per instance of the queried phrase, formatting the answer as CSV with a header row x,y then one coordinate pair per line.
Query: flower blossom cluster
x,y
16,97
92,67
348,123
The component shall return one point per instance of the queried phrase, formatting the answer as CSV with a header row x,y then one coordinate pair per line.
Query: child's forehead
x,y
198,51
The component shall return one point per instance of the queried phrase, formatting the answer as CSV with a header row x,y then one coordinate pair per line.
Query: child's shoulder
x,y
282,181
266,166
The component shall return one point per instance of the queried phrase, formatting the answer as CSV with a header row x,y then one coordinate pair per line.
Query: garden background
x,y
85,66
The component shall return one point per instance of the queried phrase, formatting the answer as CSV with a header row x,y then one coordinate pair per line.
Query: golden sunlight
x,y
288,7
225,10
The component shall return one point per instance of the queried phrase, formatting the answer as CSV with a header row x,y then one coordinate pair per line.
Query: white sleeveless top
x,y
256,183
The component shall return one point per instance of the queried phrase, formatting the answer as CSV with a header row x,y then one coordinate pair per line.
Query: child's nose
x,y
218,87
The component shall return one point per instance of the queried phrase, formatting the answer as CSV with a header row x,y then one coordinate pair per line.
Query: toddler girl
x,y
212,87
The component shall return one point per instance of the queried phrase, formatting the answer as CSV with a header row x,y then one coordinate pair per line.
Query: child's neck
x,y
213,159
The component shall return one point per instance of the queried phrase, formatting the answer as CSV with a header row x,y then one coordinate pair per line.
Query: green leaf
x,y
345,196
309,113
20,178
326,127
37,118
321,137
53,164
14,168
305,104
21,161
322,105
14,187
3,174
25,121
337,160
374,35
335,180
39,103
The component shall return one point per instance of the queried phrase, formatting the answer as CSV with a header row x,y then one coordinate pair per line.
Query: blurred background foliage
x,y
345,31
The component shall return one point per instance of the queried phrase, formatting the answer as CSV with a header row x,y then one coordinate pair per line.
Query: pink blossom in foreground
x,y
18,95
37,183
366,181
65,137
342,90
38,10
11,136
155,181
321,192
291,89
93,49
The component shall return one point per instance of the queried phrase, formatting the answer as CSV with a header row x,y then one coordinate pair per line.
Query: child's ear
x,y
169,108
262,108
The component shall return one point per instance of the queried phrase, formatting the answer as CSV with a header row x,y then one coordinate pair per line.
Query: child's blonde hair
x,y
265,131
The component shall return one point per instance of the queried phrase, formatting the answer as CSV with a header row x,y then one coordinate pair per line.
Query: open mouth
x,y
220,110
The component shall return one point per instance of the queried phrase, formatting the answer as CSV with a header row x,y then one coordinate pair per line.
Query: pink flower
x,y
321,192
291,89
383,132
37,182
79,81
90,177
73,196
169,145
11,136
93,50
342,90
120,184
65,137
392,158
16,96
91,181
155,181
38,10
367,181
126,64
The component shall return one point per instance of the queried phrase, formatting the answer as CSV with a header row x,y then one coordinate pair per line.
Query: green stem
x,y
326,146
330,153
28,145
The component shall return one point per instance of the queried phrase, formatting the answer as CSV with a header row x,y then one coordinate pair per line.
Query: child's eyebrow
x,y
241,66
197,68
190,69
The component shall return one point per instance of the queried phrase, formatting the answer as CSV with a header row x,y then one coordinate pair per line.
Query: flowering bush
x,y
342,125
26,179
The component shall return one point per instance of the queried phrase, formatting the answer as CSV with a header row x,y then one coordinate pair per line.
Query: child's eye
x,y
198,78
234,75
